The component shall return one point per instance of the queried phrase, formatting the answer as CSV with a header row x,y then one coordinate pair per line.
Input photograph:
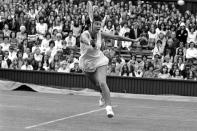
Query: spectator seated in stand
x,y
191,52
150,72
76,68
177,75
27,65
164,74
70,42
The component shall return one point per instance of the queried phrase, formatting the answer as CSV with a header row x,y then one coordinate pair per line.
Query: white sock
x,y
108,107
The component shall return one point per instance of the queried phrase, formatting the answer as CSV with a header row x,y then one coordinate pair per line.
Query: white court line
x,y
65,118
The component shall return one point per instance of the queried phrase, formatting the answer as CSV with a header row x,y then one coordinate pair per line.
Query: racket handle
x,y
93,43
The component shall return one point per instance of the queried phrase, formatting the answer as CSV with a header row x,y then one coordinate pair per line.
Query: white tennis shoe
x,y
109,111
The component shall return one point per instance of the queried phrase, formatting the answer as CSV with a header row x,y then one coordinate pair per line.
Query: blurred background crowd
x,y
44,35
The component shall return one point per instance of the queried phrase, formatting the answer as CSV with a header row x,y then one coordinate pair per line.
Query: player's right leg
x,y
101,74
91,76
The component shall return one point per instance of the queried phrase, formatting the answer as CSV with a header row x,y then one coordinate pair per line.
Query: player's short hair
x,y
97,18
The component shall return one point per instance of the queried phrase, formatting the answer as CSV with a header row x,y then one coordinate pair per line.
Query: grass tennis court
x,y
32,111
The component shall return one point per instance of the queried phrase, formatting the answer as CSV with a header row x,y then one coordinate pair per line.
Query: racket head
x,y
90,10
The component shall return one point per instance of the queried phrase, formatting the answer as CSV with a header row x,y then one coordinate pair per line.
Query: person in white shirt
x,y
38,56
58,42
6,30
159,48
32,14
117,32
180,63
4,64
167,62
192,34
45,42
51,51
36,46
5,45
191,52
94,63
126,44
21,36
162,37
70,40
12,53
76,28
152,33
58,24
41,28
26,53
26,65
71,60
138,73
64,67
161,29
124,29
109,28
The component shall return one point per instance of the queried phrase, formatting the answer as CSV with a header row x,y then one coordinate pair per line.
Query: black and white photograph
x,y
98,65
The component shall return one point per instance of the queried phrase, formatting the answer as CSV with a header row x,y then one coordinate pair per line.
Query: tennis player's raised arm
x,y
117,37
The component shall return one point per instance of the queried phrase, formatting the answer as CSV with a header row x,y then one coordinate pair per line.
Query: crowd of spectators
x,y
45,35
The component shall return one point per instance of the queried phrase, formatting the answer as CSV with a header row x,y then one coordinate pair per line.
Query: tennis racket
x,y
90,11
91,17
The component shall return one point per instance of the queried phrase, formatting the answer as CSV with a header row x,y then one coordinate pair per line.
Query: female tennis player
x,y
94,63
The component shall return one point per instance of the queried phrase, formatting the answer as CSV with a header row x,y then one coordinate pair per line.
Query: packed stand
x,y
45,35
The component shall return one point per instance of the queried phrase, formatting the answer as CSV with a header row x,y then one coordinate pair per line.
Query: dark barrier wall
x,y
116,84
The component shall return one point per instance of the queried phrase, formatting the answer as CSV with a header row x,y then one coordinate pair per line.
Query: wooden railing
x,y
116,84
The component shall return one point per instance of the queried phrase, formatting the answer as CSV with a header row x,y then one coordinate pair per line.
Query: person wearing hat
x,y
182,33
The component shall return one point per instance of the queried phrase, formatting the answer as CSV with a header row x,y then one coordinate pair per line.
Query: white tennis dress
x,y
92,58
